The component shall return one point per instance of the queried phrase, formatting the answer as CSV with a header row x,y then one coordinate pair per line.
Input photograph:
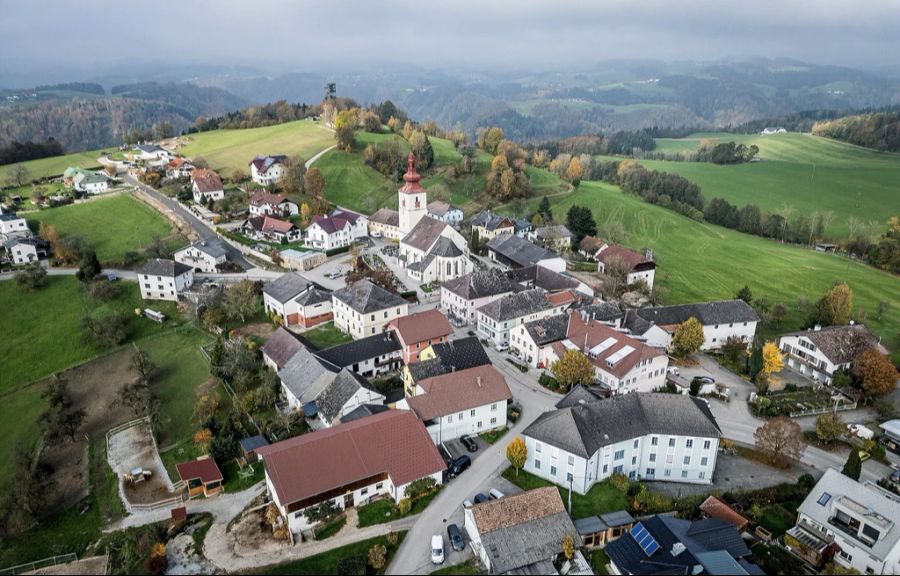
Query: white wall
x,y
164,287
10,226
806,360
359,325
195,258
469,421
462,308
23,254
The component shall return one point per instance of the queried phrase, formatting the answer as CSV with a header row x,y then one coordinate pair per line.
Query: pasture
x,y
55,165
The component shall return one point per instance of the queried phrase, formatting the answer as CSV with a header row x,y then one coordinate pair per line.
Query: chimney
x,y
817,327
677,548
648,254
478,379
852,322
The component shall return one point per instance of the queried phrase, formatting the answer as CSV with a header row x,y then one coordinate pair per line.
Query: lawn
x,y
352,184
462,569
494,435
806,172
384,510
227,150
599,561
326,336
19,413
111,226
698,261
326,562
55,165
776,519
600,499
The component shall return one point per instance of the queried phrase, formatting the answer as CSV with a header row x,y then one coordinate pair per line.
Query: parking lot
x,y
453,449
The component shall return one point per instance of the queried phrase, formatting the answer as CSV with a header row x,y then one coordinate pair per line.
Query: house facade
x,y
387,223
271,229
461,297
206,185
638,267
12,225
555,237
338,229
721,320
296,301
364,308
444,212
266,170
265,203
498,318
164,279
90,182
369,357
416,332
26,249
820,352
490,225
662,437
202,256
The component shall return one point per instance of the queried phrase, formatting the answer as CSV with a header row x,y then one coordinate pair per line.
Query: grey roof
x,y
584,428
603,311
719,562
461,354
426,369
490,221
617,518
8,216
286,287
160,267
516,305
549,329
214,248
386,216
36,241
335,395
314,295
635,324
553,232
424,233
361,350
518,250
480,284
445,247
252,443
521,545
708,534
840,344
541,277
363,411
423,264
364,297
281,346
708,313
148,148
579,395
590,525
522,224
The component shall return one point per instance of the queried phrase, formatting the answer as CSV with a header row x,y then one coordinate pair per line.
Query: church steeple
x,y
412,177
413,199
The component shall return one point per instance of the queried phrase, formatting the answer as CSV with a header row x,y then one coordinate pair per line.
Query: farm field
x,y
227,150
56,165
805,172
111,226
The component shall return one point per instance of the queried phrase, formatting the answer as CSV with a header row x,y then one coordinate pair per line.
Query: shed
x,y
599,530
201,476
251,444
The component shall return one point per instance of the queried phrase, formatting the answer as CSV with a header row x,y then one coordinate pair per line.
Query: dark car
x,y
706,379
459,466
479,498
895,476
469,442
456,537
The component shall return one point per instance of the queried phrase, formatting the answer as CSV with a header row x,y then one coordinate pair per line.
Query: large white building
x,y
820,352
721,320
663,437
12,225
462,296
364,308
498,318
266,170
859,521
338,229
296,301
202,256
164,279
206,186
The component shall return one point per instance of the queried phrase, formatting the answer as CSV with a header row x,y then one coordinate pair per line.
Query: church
x,y
430,250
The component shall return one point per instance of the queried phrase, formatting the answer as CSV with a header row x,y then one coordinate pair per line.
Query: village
x,y
471,396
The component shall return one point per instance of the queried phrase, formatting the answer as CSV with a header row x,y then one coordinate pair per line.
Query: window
x,y
552,470
537,464
364,491
605,468
493,420
650,472
670,458
631,474
690,443
379,485
654,441
702,475
537,447
494,407
461,417
633,460
373,317
449,419
871,532
471,412
569,477
571,460
653,457
671,442
706,444
823,499
668,472
684,473
704,461
687,460
619,454
635,443
617,469
479,423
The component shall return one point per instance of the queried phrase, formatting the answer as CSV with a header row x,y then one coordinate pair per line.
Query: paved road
x,y
319,155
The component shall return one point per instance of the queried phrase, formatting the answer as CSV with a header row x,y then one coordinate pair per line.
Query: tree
x,y
421,487
292,183
773,359
142,364
694,390
853,466
377,557
580,221
836,307
573,368
18,175
489,139
31,278
573,172
544,209
517,453
240,300
304,213
688,337
60,418
109,329
158,562
875,372
829,427
102,290
422,149
344,129
314,183
745,294
781,438
568,547
90,267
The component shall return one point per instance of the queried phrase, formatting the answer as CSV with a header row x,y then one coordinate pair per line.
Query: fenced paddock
x,y
132,445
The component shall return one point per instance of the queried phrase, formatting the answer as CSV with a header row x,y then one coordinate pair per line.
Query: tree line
x,y
16,151
257,116
879,131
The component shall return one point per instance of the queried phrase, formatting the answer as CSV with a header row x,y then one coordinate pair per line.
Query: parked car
x,y
673,370
336,274
861,431
501,347
437,549
469,442
375,234
456,537
895,476
496,494
479,498
459,466
467,503
706,379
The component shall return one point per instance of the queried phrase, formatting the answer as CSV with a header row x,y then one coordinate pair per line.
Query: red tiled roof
x,y
715,508
421,326
262,197
270,224
457,391
205,469
632,258
587,334
560,298
206,180
393,442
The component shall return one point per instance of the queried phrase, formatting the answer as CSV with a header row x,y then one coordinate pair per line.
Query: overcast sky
x,y
310,34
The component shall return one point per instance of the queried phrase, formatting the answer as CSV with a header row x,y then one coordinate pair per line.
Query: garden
x,y
795,401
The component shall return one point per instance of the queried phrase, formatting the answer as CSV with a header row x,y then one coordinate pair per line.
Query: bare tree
x,y
18,175
615,273
781,438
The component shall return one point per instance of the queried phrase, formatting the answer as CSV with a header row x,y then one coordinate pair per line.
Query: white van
x,y
496,494
437,549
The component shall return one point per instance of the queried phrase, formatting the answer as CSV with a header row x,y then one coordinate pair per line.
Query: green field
x,y
56,165
698,261
806,172
226,150
111,226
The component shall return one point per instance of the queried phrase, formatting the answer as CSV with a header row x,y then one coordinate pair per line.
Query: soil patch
x,y
133,448
253,535
92,565
261,329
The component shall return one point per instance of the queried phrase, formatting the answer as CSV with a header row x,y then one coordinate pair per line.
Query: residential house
x,y
264,202
468,401
669,545
179,168
653,436
498,318
418,331
387,223
721,320
297,301
280,348
637,267
520,534
149,152
523,227
364,308
548,280
206,185
444,212
12,225
90,182
821,351
713,507
321,391
598,531
490,225
69,175
201,477
202,256
349,464
461,297
369,356
266,170
515,252
589,246
26,249
160,279
301,261
270,228
338,229
554,236
444,358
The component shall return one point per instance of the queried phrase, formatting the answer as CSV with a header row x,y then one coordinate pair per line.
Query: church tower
x,y
412,197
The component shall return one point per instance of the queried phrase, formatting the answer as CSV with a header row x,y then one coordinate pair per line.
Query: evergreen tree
x,y
745,294
853,466
545,211
90,267
580,221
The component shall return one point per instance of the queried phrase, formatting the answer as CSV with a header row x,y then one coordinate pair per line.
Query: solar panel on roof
x,y
651,548
644,539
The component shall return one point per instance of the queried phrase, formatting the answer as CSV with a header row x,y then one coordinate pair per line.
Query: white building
x,y
497,319
149,152
206,185
296,302
338,229
12,225
90,182
860,520
202,256
490,225
266,170
364,308
265,203
663,437
444,212
820,352
25,249
639,267
164,279
555,237
462,296
468,401
515,252
349,464
721,320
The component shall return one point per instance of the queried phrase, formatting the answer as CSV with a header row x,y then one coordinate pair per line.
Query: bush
x,y
405,505
351,566
31,278
806,482
548,381
790,387
695,386
619,481
420,487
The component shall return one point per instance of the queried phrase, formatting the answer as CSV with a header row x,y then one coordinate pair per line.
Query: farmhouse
x,y
266,170
90,182
301,261
498,318
12,225
338,229
369,356
201,477
444,212
589,246
280,348
164,279
264,202
349,464
520,534
490,225
523,227
459,354
296,301
820,352
386,222
26,249
179,168
721,320
364,308
270,228
515,252
206,185
548,280
418,331
664,437
555,237
468,401
70,173
636,267
462,296
202,256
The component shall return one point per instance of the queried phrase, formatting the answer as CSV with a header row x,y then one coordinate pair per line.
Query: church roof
x,y
424,234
